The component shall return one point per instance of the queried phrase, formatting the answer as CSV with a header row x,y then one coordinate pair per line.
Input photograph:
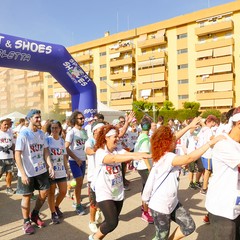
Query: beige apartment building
x,y
193,57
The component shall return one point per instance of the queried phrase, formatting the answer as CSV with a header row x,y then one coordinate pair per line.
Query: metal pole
x,y
153,103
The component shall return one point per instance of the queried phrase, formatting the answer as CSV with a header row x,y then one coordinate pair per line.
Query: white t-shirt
x,y
77,139
32,145
203,137
142,145
131,138
91,159
88,129
224,185
162,199
57,151
108,177
6,142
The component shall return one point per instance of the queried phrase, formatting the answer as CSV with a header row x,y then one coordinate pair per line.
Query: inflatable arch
x,y
21,53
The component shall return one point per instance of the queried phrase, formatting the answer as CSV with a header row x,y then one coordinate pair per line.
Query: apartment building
x,y
193,57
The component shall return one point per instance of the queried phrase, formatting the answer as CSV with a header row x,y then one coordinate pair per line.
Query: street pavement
x,y
76,227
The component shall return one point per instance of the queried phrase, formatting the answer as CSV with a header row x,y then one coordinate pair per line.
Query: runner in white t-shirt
x,y
32,157
75,145
58,154
108,181
160,191
223,196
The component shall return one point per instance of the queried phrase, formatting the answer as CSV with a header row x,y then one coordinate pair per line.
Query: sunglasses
x,y
81,118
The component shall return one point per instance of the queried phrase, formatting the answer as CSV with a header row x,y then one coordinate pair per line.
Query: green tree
x,y
191,105
214,112
167,105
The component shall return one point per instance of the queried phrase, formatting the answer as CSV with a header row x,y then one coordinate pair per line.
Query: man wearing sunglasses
x,y
75,145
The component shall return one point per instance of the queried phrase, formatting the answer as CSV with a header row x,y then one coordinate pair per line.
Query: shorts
x,y
40,182
77,171
196,165
6,165
179,215
92,196
207,163
57,180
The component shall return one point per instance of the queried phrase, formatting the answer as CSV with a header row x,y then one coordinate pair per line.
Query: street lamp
x,y
153,103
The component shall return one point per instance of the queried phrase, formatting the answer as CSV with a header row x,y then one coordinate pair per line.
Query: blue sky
x,y
72,22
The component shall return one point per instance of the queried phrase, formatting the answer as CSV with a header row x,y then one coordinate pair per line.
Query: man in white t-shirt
x,y
223,195
75,145
34,169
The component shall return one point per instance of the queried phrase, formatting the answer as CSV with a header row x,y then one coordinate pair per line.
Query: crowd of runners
x,y
52,158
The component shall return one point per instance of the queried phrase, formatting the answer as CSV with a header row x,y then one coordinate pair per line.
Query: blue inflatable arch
x,y
21,53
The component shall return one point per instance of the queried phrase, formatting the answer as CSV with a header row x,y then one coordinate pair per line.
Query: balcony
x,y
121,102
84,58
120,62
214,61
151,85
122,47
214,44
214,28
122,75
152,42
150,70
148,56
214,95
215,78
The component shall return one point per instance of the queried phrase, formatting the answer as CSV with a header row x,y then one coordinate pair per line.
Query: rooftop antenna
x,y
117,22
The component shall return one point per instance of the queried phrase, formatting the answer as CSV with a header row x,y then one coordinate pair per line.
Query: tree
x,y
191,105
167,105
214,112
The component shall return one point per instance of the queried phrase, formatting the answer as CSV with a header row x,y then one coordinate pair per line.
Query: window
x,y
228,35
103,66
50,86
182,66
144,52
104,102
181,51
215,38
181,97
183,35
123,82
103,78
103,90
101,54
183,81
202,40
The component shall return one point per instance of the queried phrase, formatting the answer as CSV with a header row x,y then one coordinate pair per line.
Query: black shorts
x,y
57,180
6,165
40,182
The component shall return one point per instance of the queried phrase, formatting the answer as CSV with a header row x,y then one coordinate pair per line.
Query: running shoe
x,y
147,218
28,228
80,210
37,220
59,212
192,186
10,191
203,191
55,218
198,185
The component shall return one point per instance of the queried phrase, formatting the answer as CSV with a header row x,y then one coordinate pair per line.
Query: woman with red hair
x,y
160,191
108,181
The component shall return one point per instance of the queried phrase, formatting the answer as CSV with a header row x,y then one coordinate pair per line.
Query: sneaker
x,y
91,237
149,211
74,205
10,191
203,191
206,219
55,218
80,209
192,186
37,220
93,227
147,218
98,217
59,213
198,185
28,228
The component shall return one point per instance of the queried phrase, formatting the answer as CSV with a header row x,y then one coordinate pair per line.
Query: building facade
x,y
193,57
